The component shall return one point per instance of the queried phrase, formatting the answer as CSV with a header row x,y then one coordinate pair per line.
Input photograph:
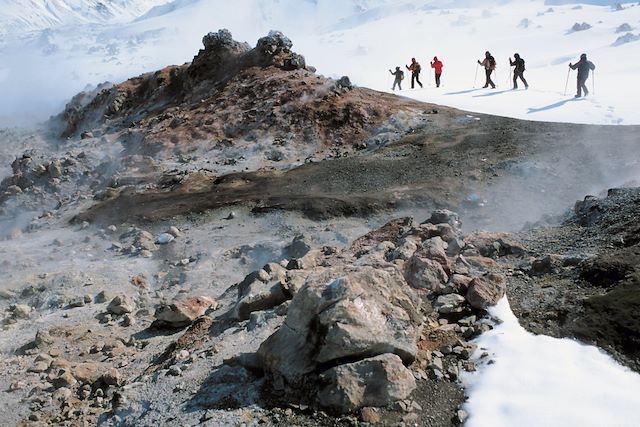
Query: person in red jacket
x,y
437,66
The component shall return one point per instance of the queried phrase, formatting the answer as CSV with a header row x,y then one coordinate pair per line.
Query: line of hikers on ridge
x,y
583,66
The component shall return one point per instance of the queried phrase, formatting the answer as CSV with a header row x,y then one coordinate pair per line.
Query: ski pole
x,y
476,76
509,78
566,85
593,83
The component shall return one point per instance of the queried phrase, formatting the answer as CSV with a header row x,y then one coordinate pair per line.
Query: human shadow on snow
x,y
462,92
500,92
551,106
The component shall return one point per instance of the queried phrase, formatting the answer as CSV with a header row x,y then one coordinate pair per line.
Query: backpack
x,y
401,75
492,62
418,68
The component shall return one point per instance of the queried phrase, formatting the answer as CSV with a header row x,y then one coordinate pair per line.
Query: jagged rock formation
x,y
228,92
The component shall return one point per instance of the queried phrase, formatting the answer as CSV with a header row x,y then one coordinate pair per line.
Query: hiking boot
x,y
578,96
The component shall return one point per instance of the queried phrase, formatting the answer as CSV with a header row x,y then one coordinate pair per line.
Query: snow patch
x,y
537,380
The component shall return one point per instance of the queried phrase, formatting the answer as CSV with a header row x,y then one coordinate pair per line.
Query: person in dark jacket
x,y
518,71
489,64
583,66
437,66
399,75
415,72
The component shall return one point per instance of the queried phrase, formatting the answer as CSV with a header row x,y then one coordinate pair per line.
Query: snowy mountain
x,y
26,15
113,40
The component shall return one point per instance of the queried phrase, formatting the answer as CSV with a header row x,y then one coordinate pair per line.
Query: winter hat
x,y
583,56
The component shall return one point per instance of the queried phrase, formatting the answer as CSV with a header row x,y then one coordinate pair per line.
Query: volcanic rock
x,y
425,274
486,291
183,313
377,381
121,304
344,314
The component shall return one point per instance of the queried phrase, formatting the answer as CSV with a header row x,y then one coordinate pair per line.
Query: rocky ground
x,y
240,241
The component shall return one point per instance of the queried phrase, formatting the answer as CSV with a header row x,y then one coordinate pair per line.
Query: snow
x,y
23,15
537,380
359,38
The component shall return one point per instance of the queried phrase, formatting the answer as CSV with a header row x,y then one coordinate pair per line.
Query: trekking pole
x,y
593,83
476,76
509,78
566,85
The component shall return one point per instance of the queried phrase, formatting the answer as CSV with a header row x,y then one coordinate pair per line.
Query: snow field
x,y
538,380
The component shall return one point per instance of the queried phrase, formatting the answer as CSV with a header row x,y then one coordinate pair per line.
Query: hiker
x,y
399,75
583,66
489,64
518,71
415,72
437,66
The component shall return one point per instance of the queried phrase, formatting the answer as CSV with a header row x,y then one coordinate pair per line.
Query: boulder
x,y
492,244
547,264
450,303
435,249
445,216
183,313
20,311
121,304
258,296
112,377
486,291
425,274
407,246
87,372
144,240
299,247
337,315
378,381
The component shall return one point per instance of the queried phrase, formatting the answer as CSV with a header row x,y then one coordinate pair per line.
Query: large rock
x,y
435,249
121,304
258,296
491,244
450,303
299,247
425,274
183,313
338,315
378,381
406,247
486,291
445,216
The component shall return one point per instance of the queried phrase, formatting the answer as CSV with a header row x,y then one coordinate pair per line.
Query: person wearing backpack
x,y
489,64
399,76
437,66
584,66
415,72
518,71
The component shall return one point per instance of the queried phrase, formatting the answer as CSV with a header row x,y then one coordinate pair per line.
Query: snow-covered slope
x,y
360,38
18,16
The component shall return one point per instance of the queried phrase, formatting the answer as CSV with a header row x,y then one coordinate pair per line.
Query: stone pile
x,y
359,320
